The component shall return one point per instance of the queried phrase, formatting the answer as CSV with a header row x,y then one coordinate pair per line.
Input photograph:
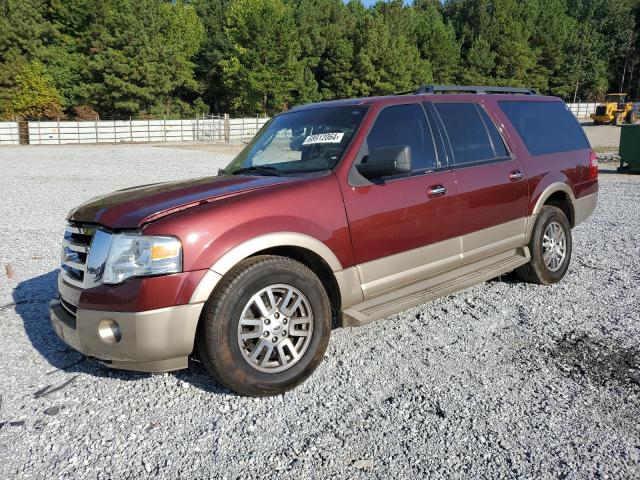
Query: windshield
x,y
300,141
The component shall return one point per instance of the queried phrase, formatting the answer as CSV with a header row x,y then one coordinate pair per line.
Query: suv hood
x,y
132,207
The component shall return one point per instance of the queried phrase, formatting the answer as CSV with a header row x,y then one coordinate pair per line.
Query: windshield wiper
x,y
264,170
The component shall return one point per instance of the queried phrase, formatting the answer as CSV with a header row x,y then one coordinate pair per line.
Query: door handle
x,y
436,191
516,175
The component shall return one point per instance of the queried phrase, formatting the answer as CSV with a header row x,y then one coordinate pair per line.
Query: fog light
x,y
109,331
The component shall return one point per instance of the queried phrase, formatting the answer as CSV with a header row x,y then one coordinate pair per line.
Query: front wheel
x,y
550,248
618,119
266,327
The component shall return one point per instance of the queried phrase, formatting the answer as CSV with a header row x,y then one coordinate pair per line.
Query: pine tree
x,y
23,35
140,59
436,41
262,66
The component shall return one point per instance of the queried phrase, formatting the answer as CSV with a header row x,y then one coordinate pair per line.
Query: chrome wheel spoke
x,y
292,349
267,355
251,322
284,360
250,335
256,351
289,311
272,300
264,311
287,298
300,321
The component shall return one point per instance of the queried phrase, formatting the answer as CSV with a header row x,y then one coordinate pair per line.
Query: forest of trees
x,y
154,58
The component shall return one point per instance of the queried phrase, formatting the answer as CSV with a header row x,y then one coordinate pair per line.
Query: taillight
x,y
593,165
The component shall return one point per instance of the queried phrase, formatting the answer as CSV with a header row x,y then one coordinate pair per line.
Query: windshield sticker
x,y
323,138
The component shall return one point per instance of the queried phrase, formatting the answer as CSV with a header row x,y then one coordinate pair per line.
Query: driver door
x,y
403,227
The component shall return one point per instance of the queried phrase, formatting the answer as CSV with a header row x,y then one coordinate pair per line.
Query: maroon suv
x,y
349,210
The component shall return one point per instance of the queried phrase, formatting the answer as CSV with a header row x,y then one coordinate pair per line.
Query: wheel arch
x,y
559,195
300,247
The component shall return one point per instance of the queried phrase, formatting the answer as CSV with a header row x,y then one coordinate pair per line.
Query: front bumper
x,y
151,341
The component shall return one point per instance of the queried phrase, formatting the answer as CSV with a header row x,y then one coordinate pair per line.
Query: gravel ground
x,y
502,380
602,137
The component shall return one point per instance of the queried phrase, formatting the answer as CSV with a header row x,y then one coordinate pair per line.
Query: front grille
x,y
601,110
75,252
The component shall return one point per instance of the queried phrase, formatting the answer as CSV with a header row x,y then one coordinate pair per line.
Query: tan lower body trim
x,y
583,207
392,272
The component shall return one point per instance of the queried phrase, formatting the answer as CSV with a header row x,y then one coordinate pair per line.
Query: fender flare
x,y
270,240
550,190
544,196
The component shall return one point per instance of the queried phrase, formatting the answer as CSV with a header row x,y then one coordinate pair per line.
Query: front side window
x,y
472,134
300,141
404,125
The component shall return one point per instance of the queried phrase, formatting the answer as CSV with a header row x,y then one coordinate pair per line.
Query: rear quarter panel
x,y
570,168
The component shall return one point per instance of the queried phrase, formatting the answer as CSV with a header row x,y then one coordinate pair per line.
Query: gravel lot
x,y
602,137
502,380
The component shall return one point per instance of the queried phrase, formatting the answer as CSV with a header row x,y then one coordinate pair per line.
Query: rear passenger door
x,y
402,225
491,183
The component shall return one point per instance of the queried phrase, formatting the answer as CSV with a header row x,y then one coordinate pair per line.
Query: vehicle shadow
x,y
31,298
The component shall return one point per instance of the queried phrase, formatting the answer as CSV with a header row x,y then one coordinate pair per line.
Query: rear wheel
x,y
632,117
550,248
266,327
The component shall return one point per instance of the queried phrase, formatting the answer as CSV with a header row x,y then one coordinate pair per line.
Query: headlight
x,y
133,255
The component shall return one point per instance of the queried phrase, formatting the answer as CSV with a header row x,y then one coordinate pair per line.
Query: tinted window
x,y
496,140
545,127
404,125
466,131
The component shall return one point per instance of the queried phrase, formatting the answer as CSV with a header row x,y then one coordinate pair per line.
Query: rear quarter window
x,y
545,127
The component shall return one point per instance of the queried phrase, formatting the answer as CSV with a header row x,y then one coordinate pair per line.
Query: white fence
x,y
9,133
225,129
206,128
582,110
211,128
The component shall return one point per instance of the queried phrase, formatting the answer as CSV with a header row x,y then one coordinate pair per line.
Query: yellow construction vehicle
x,y
615,111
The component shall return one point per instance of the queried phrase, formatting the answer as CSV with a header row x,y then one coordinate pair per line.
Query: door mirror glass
x,y
386,161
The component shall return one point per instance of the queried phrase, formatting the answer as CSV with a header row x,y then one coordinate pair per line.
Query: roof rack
x,y
432,89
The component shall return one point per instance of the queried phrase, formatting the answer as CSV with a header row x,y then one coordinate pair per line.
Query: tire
x,y
632,117
244,293
617,119
538,270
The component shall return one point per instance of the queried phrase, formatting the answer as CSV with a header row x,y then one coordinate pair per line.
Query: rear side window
x,y
472,134
399,125
545,127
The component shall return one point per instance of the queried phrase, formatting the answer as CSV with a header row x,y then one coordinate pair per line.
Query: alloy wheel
x,y
554,246
275,328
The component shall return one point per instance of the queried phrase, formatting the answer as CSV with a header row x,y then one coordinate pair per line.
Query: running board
x,y
441,285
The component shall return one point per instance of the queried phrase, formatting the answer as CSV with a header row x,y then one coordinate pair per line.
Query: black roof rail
x,y
432,89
